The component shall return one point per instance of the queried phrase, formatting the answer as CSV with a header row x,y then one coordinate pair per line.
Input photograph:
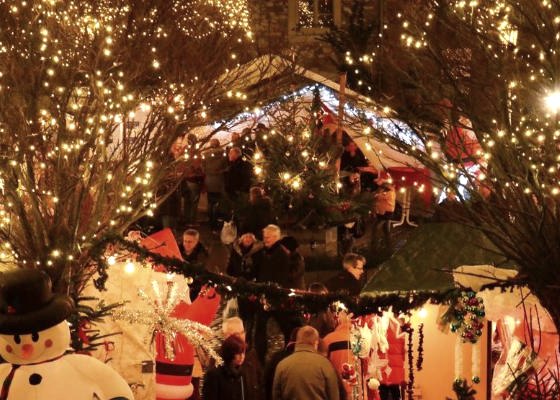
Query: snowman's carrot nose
x,y
27,350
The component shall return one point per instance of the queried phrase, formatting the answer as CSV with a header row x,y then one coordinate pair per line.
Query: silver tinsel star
x,y
156,315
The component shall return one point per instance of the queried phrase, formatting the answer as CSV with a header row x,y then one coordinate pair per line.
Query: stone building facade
x,y
293,28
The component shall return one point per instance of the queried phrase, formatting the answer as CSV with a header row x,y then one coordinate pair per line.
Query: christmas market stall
x,y
494,340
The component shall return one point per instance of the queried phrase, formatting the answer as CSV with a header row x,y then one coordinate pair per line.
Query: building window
x,y
313,16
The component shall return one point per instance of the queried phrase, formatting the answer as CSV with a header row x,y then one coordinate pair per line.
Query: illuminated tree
x,y
477,86
93,94
295,164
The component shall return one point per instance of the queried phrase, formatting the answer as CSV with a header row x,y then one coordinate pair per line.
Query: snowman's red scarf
x,y
8,381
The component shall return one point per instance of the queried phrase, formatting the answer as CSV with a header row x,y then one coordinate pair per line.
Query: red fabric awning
x,y
413,178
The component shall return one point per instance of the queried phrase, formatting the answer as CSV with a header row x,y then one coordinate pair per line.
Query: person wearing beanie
x,y
226,382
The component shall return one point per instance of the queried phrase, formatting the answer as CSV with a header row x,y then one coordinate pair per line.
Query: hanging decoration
x,y
475,370
409,330
157,312
420,357
462,390
275,296
360,340
465,316
458,359
349,374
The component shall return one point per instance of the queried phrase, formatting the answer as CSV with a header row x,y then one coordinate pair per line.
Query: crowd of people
x,y
225,174
303,369
268,353
268,335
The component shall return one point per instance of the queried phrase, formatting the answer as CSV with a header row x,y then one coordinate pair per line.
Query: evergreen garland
x,y
410,350
420,358
275,296
85,338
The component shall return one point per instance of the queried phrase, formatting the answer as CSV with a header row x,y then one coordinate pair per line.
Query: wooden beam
x,y
341,102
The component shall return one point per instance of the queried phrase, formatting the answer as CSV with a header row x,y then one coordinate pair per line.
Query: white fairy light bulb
x,y
129,267
552,101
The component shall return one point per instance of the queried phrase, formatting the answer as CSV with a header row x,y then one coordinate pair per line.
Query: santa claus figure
x,y
174,374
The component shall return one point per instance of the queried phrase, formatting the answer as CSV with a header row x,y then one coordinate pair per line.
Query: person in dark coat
x,y
226,382
194,252
191,249
171,209
194,178
238,175
274,259
242,263
214,165
259,213
321,319
296,274
242,257
353,160
272,266
251,369
244,141
348,280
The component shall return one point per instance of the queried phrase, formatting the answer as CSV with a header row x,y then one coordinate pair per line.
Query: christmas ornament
x,y
465,316
360,341
349,374
462,390
373,384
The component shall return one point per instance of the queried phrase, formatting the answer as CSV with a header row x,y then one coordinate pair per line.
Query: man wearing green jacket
x,y
305,375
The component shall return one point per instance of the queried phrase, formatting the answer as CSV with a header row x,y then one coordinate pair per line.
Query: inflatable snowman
x,y
34,337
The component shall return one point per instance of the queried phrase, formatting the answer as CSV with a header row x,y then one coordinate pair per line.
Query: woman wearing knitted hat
x,y
226,381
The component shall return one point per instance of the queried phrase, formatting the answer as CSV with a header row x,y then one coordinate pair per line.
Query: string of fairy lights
x,y
523,34
86,88
90,128
498,25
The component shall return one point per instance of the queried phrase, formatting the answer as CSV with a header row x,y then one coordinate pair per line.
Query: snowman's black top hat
x,y
27,303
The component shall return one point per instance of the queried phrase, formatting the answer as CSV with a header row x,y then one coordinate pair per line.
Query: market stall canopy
x,y
378,153
431,248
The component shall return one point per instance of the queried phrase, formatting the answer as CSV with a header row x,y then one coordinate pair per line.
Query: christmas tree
x,y
296,163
